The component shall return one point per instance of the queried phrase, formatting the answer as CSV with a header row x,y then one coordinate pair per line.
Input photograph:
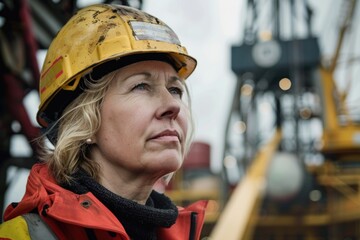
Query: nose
x,y
169,106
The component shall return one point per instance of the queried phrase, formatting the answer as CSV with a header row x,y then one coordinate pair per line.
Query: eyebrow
x,y
148,75
175,79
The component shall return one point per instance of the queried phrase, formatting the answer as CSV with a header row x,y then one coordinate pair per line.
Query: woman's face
x,y
144,121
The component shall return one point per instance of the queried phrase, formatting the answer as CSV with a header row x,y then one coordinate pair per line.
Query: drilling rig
x,y
297,176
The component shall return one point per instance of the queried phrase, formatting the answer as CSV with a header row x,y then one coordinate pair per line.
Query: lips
x,y
167,135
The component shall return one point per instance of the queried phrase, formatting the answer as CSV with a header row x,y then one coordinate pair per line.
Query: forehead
x,y
150,67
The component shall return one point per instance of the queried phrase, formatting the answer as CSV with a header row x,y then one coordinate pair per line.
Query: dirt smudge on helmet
x,y
102,30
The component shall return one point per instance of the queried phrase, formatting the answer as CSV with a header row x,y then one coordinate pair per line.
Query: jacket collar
x,y
42,193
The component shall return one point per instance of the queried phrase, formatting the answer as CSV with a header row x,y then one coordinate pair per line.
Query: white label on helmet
x,y
150,31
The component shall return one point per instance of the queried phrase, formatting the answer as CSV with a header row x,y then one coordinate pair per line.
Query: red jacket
x,y
68,214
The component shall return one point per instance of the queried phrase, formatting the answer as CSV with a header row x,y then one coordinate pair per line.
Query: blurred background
x,y
275,100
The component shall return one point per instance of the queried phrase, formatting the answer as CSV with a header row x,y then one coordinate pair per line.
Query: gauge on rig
x,y
266,54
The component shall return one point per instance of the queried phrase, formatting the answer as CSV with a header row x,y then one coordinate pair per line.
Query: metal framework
x,y
261,62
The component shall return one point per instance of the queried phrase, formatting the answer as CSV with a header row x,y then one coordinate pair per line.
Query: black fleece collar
x,y
140,221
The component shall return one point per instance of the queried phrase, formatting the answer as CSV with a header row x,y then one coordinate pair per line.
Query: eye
x,y
176,91
141,86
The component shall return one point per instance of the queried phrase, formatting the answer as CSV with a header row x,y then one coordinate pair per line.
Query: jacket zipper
x,y
90,234
193,220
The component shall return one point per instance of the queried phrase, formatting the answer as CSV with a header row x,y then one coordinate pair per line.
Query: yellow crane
x,y
339,176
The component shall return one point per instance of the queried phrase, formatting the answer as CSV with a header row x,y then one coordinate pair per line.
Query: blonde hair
x,y
80,120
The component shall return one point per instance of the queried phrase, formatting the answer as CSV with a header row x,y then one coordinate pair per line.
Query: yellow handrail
x,y
235,221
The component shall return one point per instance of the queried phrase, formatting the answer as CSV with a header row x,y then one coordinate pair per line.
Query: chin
x,y
171,164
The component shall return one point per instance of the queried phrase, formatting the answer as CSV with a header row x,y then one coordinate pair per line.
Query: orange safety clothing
x,y
71,216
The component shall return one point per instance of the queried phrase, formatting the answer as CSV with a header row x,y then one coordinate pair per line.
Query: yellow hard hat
x,y
96,40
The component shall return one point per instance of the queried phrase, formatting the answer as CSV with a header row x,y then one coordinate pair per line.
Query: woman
x,y
114,104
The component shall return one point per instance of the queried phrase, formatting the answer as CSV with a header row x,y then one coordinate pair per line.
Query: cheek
x,y
118,134
124,124
186,126
113,118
